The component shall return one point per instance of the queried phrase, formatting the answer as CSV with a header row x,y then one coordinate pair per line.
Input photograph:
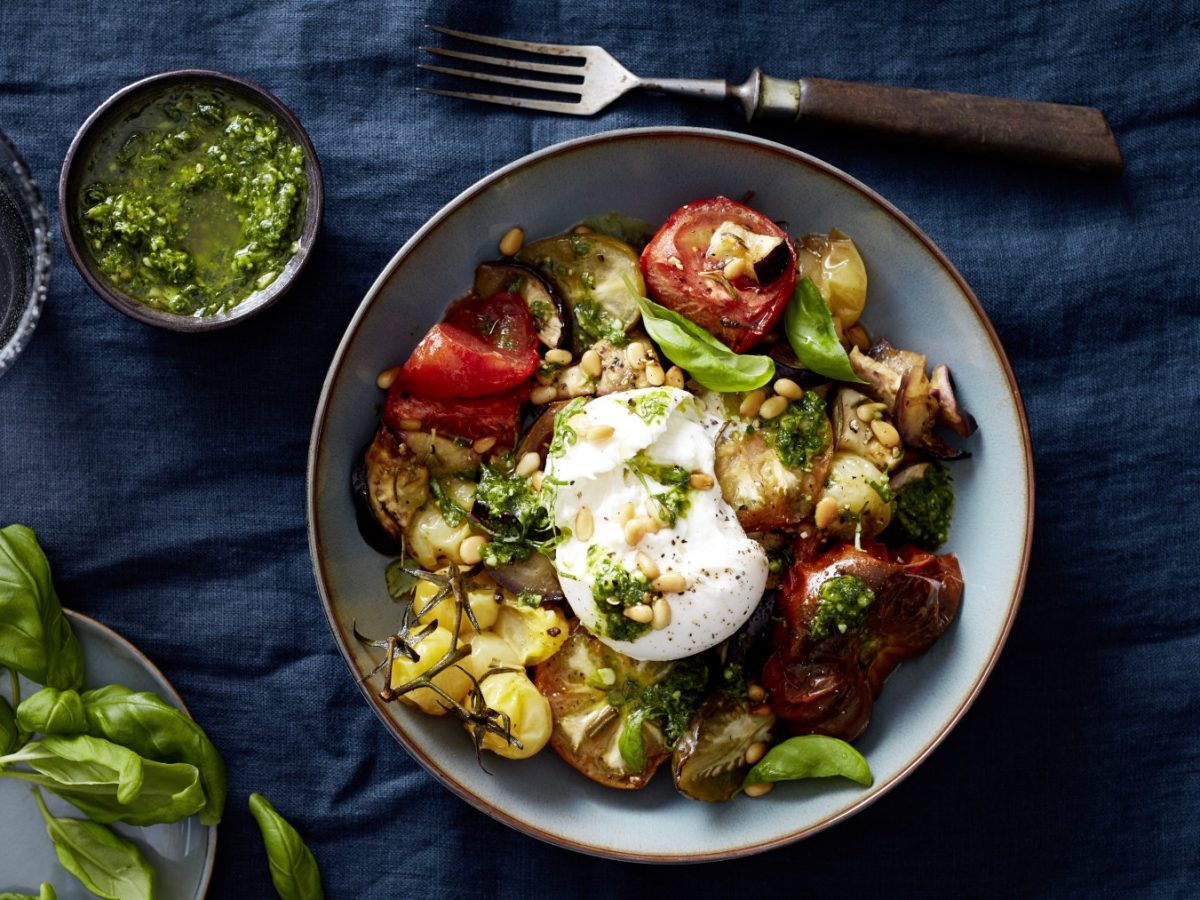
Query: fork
x,y
586,79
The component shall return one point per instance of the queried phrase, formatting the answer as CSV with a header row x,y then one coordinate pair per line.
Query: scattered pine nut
x,y
410,424
825,513
751,404
512,241
636,529
755,752
470,551
886,433
627,512
635,354
387,378
528,464
584,524
590,362
599,433
640,613
763,709
536,479
773,407
543,394
868,412
858,336
700,481
756,692
655,374
675,377
759,789
483,445
669,583
581,229
558,357
661,614
647,566
785,387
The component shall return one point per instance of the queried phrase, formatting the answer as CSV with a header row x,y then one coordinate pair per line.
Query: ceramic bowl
x,y
916,299
24,254
115,108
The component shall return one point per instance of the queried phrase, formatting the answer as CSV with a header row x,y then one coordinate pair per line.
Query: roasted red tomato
x,y
485,345
832,652
471,418
726,267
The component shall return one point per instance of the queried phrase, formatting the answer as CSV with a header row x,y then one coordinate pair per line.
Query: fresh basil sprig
x,y
808,324
35,637
108,782
810,756
46,892
707,360
294,870
105,863
51,711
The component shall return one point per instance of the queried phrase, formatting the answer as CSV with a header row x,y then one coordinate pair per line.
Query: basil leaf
x,y
35,637
105,863
810,756
153,728
399,582
46,892
631,742
10,733
107,782
809,327
293,869
706,359
51,711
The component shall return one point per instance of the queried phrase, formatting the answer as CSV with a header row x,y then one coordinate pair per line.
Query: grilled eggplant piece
x,y
394,484
852,432
709,762
440,454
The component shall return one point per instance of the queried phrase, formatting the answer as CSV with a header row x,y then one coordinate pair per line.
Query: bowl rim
x,y
337,370
260,300
36,208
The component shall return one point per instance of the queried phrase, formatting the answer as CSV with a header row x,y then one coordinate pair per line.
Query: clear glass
x,y
24,254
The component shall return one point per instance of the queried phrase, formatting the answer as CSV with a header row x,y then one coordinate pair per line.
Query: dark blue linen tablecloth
x,y
165,473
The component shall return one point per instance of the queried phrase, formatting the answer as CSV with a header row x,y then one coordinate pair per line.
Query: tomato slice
x,y
681,274
485,345
468,417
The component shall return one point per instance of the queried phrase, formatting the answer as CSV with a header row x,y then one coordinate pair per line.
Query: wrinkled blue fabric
x,y
165,473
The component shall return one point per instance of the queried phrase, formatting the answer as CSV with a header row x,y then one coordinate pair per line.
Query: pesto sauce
x,y
193,201
610,581
842,604
675,500
803,432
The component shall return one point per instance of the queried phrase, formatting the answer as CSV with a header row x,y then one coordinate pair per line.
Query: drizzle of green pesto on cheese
x,y
614,589
672,502
842,603
194,201
802,432
564,434
651,406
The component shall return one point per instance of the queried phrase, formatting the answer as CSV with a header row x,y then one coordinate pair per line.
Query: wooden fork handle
x,y
1047,133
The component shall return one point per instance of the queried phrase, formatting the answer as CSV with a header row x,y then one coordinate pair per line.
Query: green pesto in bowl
x,y
192,201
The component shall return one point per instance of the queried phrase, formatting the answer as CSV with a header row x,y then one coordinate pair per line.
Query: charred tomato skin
x,y
674,262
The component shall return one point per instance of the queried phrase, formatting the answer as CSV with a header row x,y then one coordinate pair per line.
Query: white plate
x,y
916,299
182,853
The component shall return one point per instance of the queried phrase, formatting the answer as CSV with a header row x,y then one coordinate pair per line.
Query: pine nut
x,y
529,464
636,529
599,433
825,512
387,378
700,481
511,242
868,412
590,362
635,354
662,614
536,479
858,337
558,357
470,551
751,404
756,692
640,613
410,424
655,374
734,268
785,387
581,229
758,789
584,524
483,445
886,433
675,377
647,566
627,512
773,408
763,709
669,583
543,394
755,752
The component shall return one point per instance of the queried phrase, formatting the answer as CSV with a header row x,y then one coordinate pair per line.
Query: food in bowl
x,y
581,472
192,200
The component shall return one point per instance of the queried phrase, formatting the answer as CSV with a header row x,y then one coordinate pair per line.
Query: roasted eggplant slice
x,y
852,413
548,311
709,762
396,483
535,575
440,454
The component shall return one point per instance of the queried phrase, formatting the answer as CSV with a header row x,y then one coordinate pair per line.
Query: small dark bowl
x,y
110,111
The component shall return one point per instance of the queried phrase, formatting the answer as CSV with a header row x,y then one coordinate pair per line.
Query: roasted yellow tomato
x,y
836,268
530,722
534,632
453,680
481,597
